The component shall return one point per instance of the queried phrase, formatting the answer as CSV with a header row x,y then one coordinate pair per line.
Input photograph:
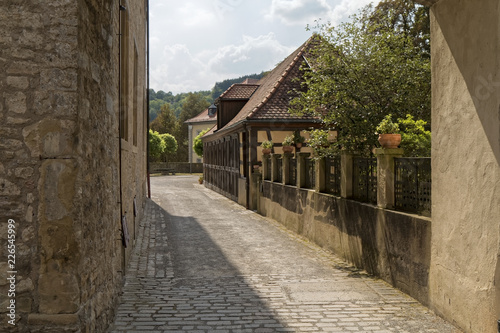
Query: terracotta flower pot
x,y
266,151
287,149
389,140
298,145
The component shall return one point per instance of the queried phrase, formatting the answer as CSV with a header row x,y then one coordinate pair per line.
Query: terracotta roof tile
x,y
202,117
271,100
239,91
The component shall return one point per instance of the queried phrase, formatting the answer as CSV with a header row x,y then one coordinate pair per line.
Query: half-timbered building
x,y
248,114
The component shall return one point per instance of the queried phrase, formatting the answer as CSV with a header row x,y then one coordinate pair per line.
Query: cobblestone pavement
x,y
205,264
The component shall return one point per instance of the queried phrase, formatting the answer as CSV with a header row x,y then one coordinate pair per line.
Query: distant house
x,y
204,120
247,114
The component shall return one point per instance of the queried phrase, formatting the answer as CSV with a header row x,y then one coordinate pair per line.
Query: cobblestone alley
x,y
205,264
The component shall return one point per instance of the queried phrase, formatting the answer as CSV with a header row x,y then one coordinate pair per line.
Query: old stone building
x,y
73,124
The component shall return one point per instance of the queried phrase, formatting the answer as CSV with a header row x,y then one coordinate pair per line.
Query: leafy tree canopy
x,y
361,71
170,145
156,145
198,143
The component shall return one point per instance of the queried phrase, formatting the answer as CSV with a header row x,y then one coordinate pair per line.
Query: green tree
x,y
156,145
170,144
198,143
415,139
192,106
359,72
166,122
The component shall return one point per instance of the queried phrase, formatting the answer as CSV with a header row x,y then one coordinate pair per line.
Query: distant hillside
x,y
220,87
157,99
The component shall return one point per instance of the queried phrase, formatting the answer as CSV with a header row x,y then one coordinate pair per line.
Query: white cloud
x,y
346,8
298,12
182,71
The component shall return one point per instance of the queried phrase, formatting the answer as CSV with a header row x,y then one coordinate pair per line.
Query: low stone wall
x,y
392,245
179,167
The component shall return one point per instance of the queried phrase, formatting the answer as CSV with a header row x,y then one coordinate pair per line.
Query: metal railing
x,y
292,171
332,175
365,179
310,172
279,176
412,185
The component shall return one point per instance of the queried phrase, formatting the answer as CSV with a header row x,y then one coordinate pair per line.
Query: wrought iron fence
x,y
310,173
332,175
292,171
365,179
268,169
279,165
412,185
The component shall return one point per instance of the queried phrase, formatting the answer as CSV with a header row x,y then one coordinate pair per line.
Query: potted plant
x,y
288,144
200,180
257,165
388,135
266,147
298,139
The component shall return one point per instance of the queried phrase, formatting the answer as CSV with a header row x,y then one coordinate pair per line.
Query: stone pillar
x,y
286,168
274,166
301,169
319,167
385,176
346,175
266,160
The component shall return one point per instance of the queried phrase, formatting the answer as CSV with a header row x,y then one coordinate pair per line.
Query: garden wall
x,y
179,167
392,245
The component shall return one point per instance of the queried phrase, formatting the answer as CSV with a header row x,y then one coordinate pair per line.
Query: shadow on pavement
x,y
207,292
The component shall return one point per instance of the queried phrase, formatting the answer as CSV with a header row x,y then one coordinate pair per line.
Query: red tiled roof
x,y
202,117
271,100
239,91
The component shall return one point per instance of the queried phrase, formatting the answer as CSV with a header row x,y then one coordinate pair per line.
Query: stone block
x,y
50,138
59,293
58,79
57,181
8,188
16,102
19,82
64,320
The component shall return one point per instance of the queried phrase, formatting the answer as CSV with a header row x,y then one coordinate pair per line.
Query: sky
x,y
196,43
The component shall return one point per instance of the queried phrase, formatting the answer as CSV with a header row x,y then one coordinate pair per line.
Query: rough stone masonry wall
x,y
38,83
59,162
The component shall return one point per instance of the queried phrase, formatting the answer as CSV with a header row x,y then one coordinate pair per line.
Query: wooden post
x,y
274,166
286,168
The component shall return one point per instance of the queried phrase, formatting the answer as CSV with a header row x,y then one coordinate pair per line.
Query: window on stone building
x,y
136,96
124,74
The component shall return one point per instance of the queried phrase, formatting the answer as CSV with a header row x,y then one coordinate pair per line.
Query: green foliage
x,y
166,121
267,144
156,145
361,71
288,141
170,145
415,139
318,141
297,138
386,126
198,143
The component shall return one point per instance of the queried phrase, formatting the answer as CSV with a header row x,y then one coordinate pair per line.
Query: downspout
x,y
121,8
147,99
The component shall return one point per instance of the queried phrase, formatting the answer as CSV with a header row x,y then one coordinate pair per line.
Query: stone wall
x,y
465,269
59,161
179,167
392,245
